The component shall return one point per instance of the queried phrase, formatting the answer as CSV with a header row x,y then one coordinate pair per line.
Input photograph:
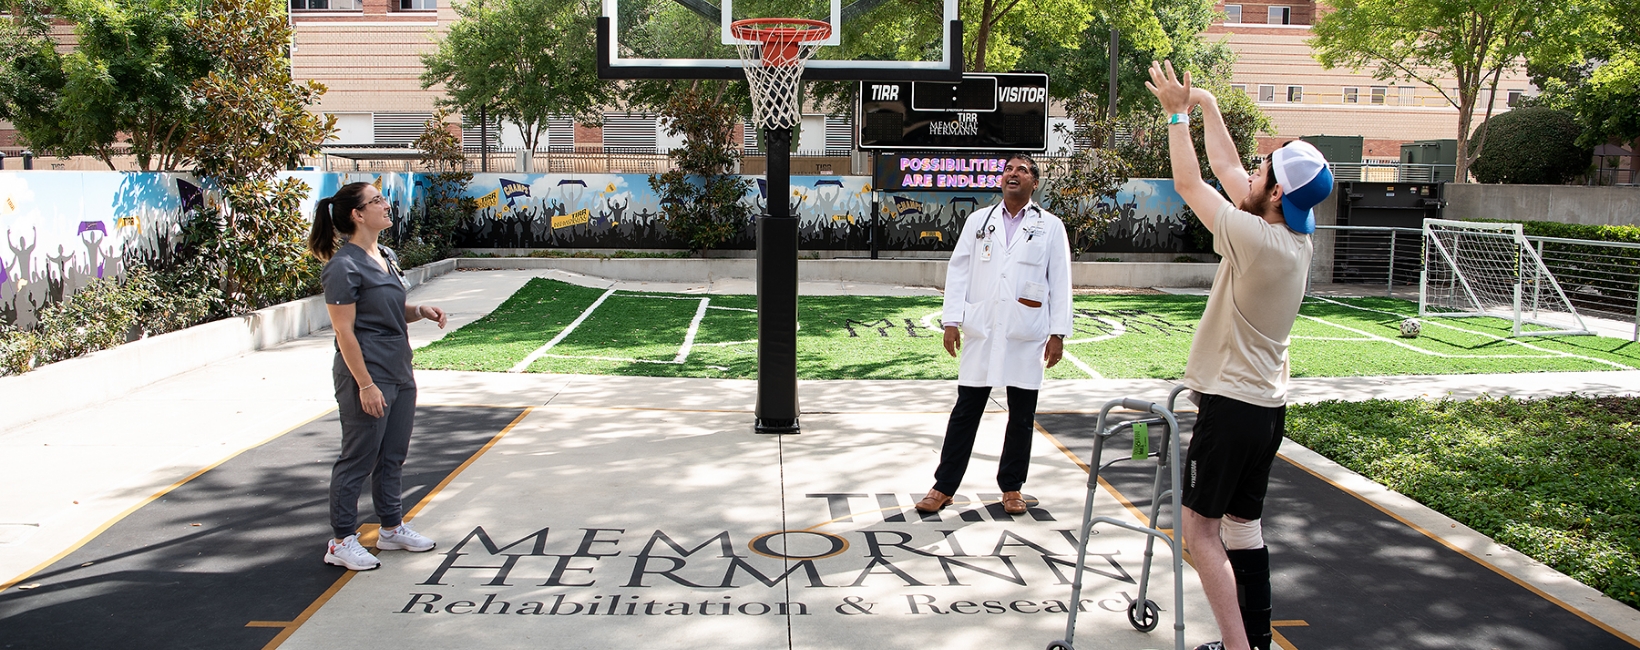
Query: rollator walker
x,y
1142,613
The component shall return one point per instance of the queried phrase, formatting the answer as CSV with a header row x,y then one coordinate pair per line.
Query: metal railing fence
x,y
1601,278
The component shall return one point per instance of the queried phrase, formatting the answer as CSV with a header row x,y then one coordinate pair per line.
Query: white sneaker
x,y
349,554
403,539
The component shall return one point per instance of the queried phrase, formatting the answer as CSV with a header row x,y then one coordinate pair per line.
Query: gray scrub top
x,y
352,278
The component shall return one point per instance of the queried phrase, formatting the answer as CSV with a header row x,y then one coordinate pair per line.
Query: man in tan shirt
x,y
1238,367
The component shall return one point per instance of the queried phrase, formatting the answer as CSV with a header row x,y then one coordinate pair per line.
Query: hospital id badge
x,y
985,250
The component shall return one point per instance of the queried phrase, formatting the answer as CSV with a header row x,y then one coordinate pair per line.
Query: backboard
x,y
870,40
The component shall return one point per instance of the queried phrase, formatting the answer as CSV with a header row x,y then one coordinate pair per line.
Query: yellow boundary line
x,y
166,490
1495,569
313,608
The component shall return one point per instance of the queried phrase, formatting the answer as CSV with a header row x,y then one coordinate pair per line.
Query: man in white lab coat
x,y
1008,289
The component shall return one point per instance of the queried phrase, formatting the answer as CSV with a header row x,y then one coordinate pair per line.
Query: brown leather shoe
x,y
934,501
1013,503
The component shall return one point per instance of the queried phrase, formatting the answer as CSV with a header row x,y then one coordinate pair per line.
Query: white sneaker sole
x,y
336,560
395,546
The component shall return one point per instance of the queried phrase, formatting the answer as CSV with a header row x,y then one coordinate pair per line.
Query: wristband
x,y
1179,118
364,388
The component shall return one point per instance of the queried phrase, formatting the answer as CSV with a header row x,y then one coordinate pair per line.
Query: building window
x,y
418,5
1240,88
1280,16
1295,94
1409,95
635,133
1379,93
1352,95
325,5
1267,94
1515,95
399,128
1232,13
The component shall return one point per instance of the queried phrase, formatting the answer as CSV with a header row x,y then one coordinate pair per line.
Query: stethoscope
x,y
985,228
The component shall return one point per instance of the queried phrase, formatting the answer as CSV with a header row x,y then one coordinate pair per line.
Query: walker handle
x,y
1140,405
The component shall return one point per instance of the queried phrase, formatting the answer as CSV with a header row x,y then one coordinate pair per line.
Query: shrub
x,y
99,316
428,232
1531,146
701,201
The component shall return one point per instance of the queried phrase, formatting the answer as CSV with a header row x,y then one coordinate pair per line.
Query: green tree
x,y
1083,64
523,61
1472,41
130,73
1534,145
254,121
999,32
700,198
1593,71
427,233
1146,147
1081,190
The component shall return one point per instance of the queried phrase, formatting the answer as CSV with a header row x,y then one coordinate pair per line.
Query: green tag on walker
x,y
1141,441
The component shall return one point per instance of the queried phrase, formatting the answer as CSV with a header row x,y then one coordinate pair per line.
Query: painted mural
x,y
64,230
834,213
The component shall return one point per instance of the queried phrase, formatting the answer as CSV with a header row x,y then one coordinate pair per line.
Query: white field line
x,y
694,326
1545,351
928,322
542,351
1082,366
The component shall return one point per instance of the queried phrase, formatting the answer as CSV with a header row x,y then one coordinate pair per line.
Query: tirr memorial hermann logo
x,y
872,556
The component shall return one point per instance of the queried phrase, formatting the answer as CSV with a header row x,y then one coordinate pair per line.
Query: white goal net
x,y
1489,269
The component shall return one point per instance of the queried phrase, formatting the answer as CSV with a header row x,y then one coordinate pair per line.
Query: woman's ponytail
x,y
334,217
322,237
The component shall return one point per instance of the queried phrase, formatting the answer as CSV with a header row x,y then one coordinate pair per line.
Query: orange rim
x,y
780,30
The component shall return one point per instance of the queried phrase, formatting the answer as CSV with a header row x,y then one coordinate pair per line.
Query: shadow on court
x,y
242,542
1348,576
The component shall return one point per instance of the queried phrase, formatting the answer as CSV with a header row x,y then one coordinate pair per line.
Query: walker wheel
x,y
1144,621
1060,645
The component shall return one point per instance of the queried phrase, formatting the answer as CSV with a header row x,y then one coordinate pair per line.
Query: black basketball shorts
x,y
1227,467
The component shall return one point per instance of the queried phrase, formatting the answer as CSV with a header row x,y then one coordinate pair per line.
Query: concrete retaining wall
x,y
1593,206
101,376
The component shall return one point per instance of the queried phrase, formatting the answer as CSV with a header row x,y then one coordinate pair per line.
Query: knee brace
x,y
1240,536
1252,569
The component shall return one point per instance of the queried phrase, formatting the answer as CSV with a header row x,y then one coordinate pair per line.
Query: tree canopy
x,y
131,73
1472,41
1593,71
522,61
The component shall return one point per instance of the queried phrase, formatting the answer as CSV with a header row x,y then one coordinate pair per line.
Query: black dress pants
x,y
964,424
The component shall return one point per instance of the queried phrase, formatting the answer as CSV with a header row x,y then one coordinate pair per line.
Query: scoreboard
x,y
984,112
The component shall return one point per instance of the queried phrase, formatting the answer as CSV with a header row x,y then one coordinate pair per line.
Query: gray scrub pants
x,y
371,447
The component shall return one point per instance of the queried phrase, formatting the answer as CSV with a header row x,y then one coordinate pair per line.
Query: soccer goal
x,y
1489,269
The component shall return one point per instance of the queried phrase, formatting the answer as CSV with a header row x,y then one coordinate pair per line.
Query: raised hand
x,y
1174,95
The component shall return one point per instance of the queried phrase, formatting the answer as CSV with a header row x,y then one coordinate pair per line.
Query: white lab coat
x,y
1002,339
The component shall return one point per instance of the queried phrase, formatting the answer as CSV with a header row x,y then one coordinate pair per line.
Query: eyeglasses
x,y
379,199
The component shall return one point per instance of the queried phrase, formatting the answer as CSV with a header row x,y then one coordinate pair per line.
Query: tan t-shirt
x,y
1240,349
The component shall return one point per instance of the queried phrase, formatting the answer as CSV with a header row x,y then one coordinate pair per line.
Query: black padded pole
x,y
777,295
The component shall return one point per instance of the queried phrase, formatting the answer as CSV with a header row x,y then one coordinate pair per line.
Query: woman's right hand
x,y
371,398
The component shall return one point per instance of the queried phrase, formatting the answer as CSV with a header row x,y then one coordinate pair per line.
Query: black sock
x,y
1252,568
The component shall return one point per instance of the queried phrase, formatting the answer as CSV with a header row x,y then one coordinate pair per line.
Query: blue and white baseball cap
x,y
1305,182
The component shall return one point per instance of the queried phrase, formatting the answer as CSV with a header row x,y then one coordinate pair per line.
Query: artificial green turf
x,y
532,316
866,337
1557,479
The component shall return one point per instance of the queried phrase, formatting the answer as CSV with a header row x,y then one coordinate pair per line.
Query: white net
x,y
1490,269
774,87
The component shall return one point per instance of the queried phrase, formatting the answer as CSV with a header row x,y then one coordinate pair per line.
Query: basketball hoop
x,y
774,60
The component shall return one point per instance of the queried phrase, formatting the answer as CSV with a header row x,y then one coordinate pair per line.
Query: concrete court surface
x,y
697,499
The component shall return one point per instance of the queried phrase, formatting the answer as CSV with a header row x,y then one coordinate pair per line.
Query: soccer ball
x,y
1410,328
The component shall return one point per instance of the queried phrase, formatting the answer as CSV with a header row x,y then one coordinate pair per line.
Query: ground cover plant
x,y
563,328
1557,479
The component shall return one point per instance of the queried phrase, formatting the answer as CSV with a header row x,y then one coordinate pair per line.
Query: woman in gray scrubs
x,y
375,389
